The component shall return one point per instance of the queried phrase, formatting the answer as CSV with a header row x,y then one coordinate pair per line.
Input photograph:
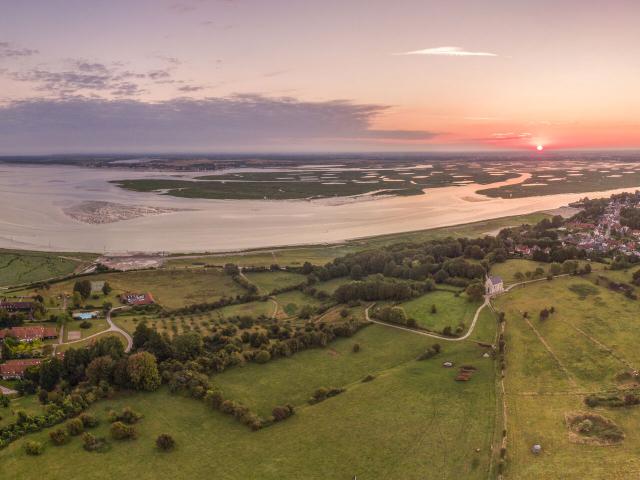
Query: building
x,y
493,285
14,369
136,299
15,307
29,334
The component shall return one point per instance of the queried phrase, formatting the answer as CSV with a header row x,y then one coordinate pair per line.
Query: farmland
x,y
17,267
450,310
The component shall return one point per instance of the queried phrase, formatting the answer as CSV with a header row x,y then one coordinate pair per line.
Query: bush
x,y
282,412
356,347
165,442
122,431
262,356
75,427
92,444
85,324
368,378
323,393
128,416
59,436
88,420
33,447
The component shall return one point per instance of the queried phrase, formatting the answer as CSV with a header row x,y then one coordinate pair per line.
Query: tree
x,y
188,345
282,412
555,268
475,291
106,288
100,369
434,310
83,287
77,300
49,373
142,369
165,442
356,272
519,276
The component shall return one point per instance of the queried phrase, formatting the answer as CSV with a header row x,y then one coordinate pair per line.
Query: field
x,y
590,339
170,288
425,413
270,281
85,343
507,270
97,325
17,267
451,311
290,303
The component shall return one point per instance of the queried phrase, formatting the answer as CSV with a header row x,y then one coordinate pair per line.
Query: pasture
x,y
18,267
451,310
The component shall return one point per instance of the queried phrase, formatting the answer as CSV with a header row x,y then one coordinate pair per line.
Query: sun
x,y
540,148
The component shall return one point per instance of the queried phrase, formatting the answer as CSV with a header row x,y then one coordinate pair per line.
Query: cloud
x,y
240,122
190,88
449,52
509,136
8,50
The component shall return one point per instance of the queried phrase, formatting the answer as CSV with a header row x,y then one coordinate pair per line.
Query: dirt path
x,y
487,301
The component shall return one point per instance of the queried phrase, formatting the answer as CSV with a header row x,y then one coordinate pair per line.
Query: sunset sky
x,y
285,75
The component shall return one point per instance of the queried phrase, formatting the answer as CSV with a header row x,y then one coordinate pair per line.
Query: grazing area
x,y
440,309
586,346
267,282
17,267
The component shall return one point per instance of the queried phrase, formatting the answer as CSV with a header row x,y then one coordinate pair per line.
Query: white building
x,y
493,285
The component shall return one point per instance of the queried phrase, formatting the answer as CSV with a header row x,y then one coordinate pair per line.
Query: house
x,y
493,285
136,299
14,369
14,307
29,334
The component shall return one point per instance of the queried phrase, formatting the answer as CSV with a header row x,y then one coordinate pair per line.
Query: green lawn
x,y
97,325
267,282
290,303
450,310
86,343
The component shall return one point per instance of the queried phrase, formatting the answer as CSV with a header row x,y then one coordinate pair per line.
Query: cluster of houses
x,y
16,307
29,334
14,369
599,237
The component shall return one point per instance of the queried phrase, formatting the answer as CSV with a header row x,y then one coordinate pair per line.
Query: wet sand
x,y
33,200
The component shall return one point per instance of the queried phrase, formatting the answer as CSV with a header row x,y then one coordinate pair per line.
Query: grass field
x,y
85,343
290,303
267,282
18,267
450,310
97,325
581,348
432,424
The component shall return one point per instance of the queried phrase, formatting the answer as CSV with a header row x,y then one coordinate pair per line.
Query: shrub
x,y
59,436
128,416
75,427
368,378
91,443
33,447
88,420
262,356
85,324
323,393
165,442
282,412
122,431
356,347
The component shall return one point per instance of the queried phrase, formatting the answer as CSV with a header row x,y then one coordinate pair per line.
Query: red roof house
x,y
16,368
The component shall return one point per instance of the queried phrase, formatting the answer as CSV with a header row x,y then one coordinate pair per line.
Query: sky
x,y
215,76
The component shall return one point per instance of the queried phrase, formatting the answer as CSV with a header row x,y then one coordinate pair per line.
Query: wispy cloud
x,y
509,136
448,52
8,50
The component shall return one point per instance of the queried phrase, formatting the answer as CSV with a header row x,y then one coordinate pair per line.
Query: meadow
x,y
450,310
582,348
18,267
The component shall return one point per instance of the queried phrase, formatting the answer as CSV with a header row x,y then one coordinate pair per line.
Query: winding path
x,y
487,301
112,328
